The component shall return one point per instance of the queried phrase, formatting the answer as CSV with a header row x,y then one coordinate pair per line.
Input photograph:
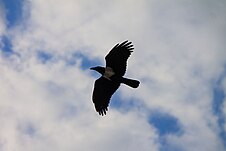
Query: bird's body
x,y
112,76
108,73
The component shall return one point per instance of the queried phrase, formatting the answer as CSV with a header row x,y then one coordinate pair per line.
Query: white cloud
x,y
61,113
179,53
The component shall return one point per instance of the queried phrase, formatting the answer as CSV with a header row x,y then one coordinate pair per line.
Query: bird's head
x,y
99,69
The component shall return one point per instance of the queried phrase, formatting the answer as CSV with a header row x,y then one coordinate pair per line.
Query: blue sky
x,y
13,11
179,57
218,100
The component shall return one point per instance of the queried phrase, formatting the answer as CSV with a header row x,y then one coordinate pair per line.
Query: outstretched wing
x,y
117,57
103,90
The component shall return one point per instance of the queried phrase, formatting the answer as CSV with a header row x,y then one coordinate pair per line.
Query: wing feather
x,y
103,90
118,56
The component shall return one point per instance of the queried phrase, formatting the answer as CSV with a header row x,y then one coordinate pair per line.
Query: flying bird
x,y
112,76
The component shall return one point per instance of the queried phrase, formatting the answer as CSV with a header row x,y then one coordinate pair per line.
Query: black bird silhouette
x,y
112,76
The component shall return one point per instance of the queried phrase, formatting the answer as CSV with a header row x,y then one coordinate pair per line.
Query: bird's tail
x,y
130,82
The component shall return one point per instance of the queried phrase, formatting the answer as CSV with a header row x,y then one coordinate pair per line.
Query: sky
x,y
47,48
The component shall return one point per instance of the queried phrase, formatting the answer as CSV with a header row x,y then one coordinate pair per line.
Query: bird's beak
x,y
91,68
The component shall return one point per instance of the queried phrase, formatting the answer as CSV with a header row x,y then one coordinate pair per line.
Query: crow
x,y
112,76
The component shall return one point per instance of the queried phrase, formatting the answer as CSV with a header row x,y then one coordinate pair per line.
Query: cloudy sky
x,y
47,48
